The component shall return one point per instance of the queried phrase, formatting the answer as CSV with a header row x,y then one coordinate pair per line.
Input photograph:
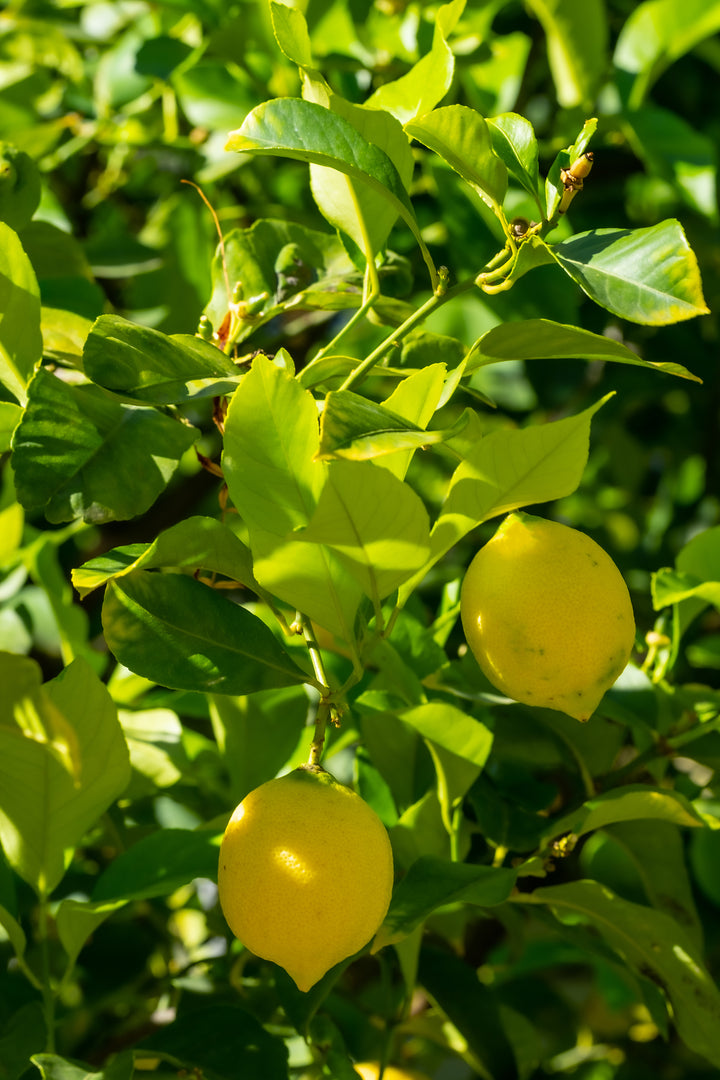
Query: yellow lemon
x,y
370,1070
547,615
305,873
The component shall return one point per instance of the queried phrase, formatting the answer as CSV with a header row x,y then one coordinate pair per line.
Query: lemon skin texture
x,y
547,615
370,1070
305,873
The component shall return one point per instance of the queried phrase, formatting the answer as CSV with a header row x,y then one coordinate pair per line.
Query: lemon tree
x,y
284,457
547,615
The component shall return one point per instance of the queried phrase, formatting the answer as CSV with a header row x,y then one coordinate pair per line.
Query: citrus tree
x,y
431,269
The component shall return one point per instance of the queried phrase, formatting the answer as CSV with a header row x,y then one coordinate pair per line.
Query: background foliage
x,y
579,935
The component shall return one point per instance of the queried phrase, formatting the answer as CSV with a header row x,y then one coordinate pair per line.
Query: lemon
x,y
305,873
370,1070
547,615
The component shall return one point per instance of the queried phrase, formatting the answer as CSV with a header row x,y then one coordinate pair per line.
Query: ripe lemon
x,y
547,615
305,873
370,1070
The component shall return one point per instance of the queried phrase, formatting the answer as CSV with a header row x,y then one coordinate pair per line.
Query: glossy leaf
x,y
374,522
460,136
10,415
180,633
542,339
63,762
196,542
656,947
513,140
80,453
648,276
577,46
364,214
20,338
414,399
301,129
148,366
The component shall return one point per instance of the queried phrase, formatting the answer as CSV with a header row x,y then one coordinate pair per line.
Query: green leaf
x,y
631,803
416,399
148,366
355,428
20,187
15,933
658,852
196,542
461,137
53,1067
291,33
284,260
301,129
222,1040
257,734
275,481
63,760
512,468
79,453
76,920
674,151
459,746
180,633
648,276
659,32
542,339
513,140
20,338
431,883
670,587
10,416
577,47
23,1033
64,334
157,865
364,214
656,947
473,1010
426,83
374,522
271,443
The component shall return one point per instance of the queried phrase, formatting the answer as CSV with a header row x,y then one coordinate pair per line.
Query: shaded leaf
x,y
157,865
431,883
631,803
53,1067
656,947
577,44
80,453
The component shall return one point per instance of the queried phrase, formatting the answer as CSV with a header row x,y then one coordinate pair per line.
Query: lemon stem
x,y
324,706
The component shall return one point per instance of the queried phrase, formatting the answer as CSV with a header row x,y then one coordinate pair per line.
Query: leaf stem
x,y
48,993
